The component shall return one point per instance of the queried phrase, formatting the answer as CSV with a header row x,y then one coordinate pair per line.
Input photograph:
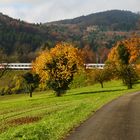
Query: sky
x,y
41,11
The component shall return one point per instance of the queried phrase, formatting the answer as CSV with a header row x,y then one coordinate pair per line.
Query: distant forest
x,y
95,34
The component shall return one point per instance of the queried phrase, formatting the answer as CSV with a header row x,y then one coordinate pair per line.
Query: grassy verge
x,y
46,117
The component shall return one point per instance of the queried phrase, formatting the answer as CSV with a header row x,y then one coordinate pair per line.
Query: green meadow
x,y
46,117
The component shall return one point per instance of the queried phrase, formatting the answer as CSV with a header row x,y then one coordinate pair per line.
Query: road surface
x,y
118,120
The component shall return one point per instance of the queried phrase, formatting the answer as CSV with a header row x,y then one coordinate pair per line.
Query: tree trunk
x,y
130,80
102,85
30,94
58,93
130,83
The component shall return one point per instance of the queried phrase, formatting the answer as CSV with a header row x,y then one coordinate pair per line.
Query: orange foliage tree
x,y
132,45
58,65
122,56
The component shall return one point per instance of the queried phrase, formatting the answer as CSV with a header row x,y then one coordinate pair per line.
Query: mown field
x,y
46,117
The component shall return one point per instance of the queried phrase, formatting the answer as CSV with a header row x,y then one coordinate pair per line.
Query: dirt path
x,y
118,120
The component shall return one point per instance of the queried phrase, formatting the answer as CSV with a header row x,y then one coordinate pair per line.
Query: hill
x,y
109,20
97,33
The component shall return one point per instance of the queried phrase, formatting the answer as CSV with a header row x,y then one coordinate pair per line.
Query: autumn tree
x,y
102,53
132,46
128,75
123,56
31,81
58,65
89,55
102,75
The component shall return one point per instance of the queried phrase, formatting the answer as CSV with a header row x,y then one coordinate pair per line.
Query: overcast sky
x,y
50,10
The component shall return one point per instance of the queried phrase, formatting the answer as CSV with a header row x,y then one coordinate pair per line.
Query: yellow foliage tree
x,y
58,65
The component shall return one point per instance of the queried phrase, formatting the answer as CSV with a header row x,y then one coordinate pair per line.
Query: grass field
x,y
46,117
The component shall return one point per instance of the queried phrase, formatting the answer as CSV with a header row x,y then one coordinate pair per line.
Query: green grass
x,y
46,117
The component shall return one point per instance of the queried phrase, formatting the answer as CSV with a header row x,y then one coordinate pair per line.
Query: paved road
x,y
118,120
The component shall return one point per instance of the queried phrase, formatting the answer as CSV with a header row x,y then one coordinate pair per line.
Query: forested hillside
x,y
95,33
114,20
19,40
98,32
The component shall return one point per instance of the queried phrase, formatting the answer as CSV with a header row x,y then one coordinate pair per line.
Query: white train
x,y
16,66
94,65
28,66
